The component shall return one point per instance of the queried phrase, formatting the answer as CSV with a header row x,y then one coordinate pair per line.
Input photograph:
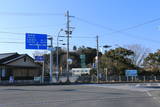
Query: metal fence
x,y
90,79
115,78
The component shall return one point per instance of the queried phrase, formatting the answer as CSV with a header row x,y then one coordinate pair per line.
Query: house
x,y
19,66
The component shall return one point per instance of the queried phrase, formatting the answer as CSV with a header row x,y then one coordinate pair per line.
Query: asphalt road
x,y
72,96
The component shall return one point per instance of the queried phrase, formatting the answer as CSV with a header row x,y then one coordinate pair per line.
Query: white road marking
x,y
149,94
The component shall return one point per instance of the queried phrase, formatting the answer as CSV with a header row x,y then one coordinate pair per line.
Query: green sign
x,y
83,61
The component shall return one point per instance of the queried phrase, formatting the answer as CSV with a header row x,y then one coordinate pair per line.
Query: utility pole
x,y
57,58
51,58
43,73
97,60
68,32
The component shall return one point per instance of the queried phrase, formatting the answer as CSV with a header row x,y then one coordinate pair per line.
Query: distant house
x,y
19,66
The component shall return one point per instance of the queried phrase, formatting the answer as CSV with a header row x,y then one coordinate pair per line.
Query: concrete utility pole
x,y
51,58
57,58
68,34
97,58
43,73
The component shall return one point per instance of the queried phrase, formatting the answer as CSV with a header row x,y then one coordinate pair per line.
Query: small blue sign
x,y
131,72
94,65
36,41
39,58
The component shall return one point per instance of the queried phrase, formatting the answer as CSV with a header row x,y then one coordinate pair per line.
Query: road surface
x,y
72,96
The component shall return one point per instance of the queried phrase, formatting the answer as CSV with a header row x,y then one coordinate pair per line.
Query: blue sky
x,y
97,15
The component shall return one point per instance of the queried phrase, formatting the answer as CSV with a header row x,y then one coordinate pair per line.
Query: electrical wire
x,y
94,24
137,25
14,33
30,14
13,42
123,31
38,26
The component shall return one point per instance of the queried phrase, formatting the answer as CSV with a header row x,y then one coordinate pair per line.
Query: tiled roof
x,y
13,59
5,55
7,58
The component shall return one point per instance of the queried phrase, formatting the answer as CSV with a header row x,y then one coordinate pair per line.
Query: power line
x,y
94,24
23,27
137,25
78,37
30,14
13,42
14,33
123,31
11,38
83,37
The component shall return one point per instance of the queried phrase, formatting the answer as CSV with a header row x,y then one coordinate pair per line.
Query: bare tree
x,y
140,53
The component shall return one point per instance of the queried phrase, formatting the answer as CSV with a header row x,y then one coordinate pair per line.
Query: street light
x,y
106,46
57,53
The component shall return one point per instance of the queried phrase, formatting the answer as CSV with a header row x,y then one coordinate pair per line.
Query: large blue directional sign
x,y
131,72
36,41
39,58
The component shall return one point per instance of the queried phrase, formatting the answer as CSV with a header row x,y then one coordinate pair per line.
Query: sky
x,y
91,18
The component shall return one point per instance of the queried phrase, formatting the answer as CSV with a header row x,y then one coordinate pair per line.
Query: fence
x,y
113,79
90,79
7,82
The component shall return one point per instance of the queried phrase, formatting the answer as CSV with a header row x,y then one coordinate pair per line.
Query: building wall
x,y
20,67
26,72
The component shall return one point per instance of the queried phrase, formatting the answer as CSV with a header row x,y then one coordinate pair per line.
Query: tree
x,y
117,60
152,62
140,53
89,52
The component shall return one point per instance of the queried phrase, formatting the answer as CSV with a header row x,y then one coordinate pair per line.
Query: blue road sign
x,y
131,72
39,58
36,41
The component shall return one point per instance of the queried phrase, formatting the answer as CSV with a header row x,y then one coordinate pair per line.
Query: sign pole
x,y
41,60
97,60
51,60
43,73
39,41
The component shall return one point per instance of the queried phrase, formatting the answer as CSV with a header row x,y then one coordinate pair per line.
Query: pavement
x,y
151,89
74,96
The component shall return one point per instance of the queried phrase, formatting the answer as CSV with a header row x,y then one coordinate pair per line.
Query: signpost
x,y
39,42
131,73
41,59
36,41
83,58
69,61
